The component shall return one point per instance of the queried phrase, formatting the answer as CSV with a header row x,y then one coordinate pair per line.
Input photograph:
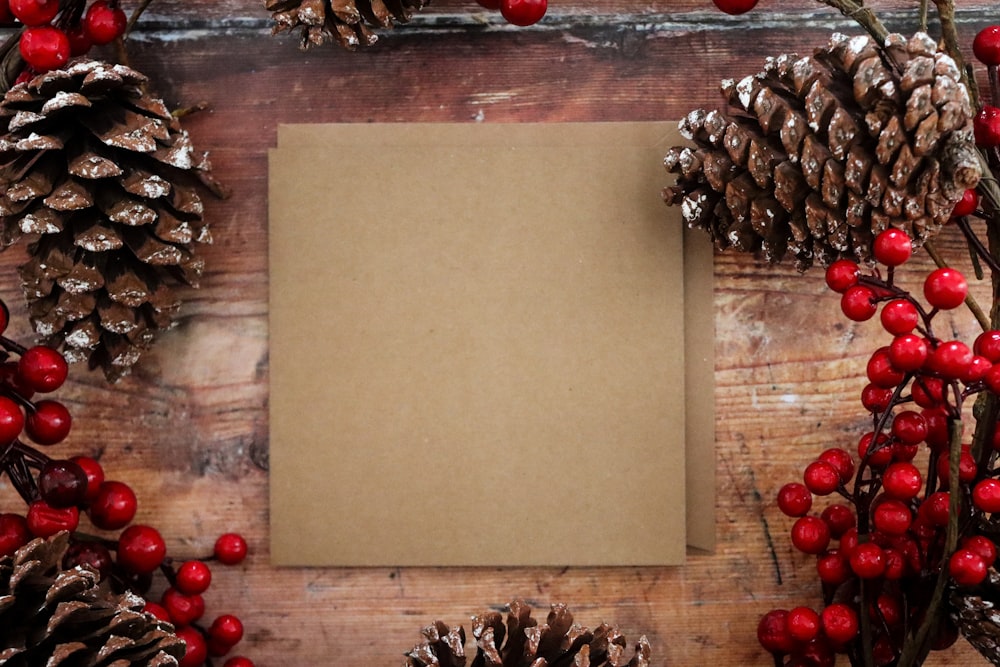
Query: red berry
x,y
141,549
983,546
987,127
44,47
902,481
103,23
833,568
892,517
967,568
881,372
95,475
899,317
156,610
848,542
890,609
803,624
839,518
950,359
4,311
11,420
46,521
892,247
987,344
34,12
79,41
226,629
967,205
868,560
977,370
193,577
523,12
908,353
876,399
986,45
810,535
992,379
183,609
238,661
114,506
6,16
92,554
945,288
928,392
49,423
966,466
841,460
196,651
858,303
43,369
842,275
62,483
876,451
735,6
840,623
935,508
14,533
230,548
986,495
772,632
821,478
909,427
895,564
489,4
937,422
794,499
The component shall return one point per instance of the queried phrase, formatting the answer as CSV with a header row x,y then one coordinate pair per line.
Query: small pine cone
x,y
976,612
63,618
349,22
558,642
817,155
101,180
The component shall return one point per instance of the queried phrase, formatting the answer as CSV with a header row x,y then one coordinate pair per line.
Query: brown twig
x,y
135,16
865,17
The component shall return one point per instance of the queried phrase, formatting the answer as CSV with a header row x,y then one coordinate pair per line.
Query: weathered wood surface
x,y
189,428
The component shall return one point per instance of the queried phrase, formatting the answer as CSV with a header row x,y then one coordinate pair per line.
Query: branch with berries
x,y
852,158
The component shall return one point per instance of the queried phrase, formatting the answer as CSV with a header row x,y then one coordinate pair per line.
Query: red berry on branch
x,y
104,23
935,508
44,48
183,609
833,568
803,624
988,345
79,41
858,303
977,370
967,568
94,473
141,549
842,275
772,632
14,533
868,560
196,651
928,392
523,12
49,423
238,661
986,495
735,6
34,12
43,369
987,127
986,45
840,623
230,548
950,359
193,577
902,481
908,353
848,542
945,288
895,564
983,546
889,608
4,311
839,518
821,478
92,554
899,317
62,483
810,535
881,371
967,205
114,506
966,466
841,460
794,499
46,521
6,16
156,610
876,399
226,629
892,247
876,451
11,420
892,517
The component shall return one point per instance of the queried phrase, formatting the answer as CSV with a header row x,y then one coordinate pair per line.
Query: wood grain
x,y
189,428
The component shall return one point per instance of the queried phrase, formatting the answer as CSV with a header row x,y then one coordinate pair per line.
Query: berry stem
x,y
864,17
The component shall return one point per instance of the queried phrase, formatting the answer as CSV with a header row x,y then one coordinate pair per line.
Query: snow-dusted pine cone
x,y
348,22
557,642
817,155
103,182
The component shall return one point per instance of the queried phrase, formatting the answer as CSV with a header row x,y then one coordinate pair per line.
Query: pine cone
x,y
347,21
55,617
556,643
102,179
817,155
977,615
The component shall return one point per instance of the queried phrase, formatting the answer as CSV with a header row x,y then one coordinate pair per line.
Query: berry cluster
x,y
518,12
913,502
59,490
55,31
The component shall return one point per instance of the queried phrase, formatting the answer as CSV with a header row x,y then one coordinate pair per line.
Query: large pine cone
x,y
103,180
62,618
817,155
349,22
558,642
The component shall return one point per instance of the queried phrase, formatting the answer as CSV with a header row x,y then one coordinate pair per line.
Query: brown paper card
x,y
476,348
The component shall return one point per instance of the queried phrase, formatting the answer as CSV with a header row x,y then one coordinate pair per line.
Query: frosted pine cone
x,y
102,180
817,155
51,616
349,22
556,642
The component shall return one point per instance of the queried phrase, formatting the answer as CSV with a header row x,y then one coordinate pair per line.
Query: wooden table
x,y
190,428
